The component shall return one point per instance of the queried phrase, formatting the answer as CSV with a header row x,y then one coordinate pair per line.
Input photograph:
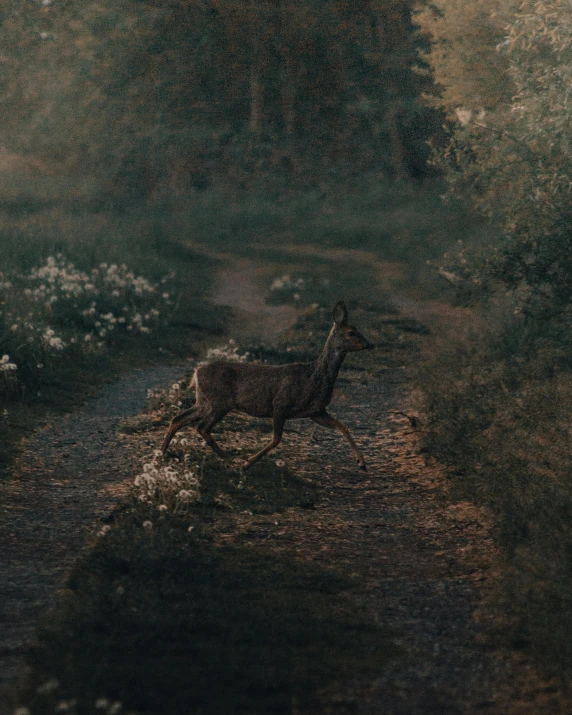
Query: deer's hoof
x,y
363,467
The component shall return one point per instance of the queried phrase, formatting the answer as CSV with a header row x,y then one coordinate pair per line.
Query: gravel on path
x,y
68,476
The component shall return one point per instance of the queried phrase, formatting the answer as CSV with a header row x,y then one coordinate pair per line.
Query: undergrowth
x,y
499,401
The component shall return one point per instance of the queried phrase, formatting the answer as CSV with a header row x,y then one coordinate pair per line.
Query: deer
x,y
282,392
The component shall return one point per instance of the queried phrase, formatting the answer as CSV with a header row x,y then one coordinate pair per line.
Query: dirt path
x,y
236,286
424,565
68,477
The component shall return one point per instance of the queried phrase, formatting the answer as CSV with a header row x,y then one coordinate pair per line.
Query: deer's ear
x,y
340,313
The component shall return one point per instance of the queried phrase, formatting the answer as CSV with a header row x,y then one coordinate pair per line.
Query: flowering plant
x,y
57,310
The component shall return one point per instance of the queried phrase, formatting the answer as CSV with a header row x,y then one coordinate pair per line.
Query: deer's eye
x,y
352,333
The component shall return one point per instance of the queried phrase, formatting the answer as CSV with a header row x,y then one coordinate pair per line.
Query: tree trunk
x,y
397,148
256,86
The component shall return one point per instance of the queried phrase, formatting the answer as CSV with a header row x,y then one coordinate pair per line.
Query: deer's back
x,y
254,389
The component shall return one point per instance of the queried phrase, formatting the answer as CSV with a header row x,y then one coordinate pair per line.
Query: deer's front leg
x,y
326,420
278,420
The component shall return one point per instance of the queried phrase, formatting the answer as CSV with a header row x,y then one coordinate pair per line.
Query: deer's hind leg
x,y
188,417
326,420
204,429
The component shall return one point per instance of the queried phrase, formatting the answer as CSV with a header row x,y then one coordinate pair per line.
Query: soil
x,y
426,564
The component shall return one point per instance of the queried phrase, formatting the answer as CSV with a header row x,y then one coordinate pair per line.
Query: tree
x,y
465,56
137,92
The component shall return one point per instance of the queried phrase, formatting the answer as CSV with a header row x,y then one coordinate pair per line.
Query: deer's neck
x,y
329,363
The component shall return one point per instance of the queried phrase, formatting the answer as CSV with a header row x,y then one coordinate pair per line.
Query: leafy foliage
x,y
467,65
516,164
499,398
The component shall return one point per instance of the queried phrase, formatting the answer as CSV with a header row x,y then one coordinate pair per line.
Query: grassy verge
x,y
84,296
498,399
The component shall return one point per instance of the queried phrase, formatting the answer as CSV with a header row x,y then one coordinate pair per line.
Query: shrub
x,y
499,399
56,313
516,164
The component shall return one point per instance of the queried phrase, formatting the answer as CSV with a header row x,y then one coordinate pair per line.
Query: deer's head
x,y
346,338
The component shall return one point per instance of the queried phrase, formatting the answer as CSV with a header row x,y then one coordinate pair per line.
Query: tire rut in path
x,y
254,320
422,563
70,473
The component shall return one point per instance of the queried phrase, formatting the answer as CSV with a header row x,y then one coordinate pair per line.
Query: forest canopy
x,y
146,91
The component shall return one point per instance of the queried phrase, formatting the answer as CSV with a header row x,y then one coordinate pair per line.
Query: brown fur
x,y
279,391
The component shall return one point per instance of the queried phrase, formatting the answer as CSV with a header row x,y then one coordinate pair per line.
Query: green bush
x,y
516,164
499,398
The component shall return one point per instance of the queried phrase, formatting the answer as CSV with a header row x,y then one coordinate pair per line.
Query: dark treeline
x,y
148,93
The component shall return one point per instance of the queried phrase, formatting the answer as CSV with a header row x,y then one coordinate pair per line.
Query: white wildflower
x,y
48,687
57,343
6,365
